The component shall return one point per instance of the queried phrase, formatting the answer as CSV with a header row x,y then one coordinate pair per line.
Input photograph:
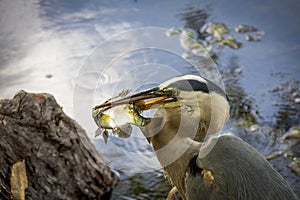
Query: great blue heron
x,y
188,108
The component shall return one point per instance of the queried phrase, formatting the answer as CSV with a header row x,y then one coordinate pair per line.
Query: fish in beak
x,y
119,113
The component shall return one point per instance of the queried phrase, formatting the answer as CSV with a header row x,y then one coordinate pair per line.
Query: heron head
x,y
190,96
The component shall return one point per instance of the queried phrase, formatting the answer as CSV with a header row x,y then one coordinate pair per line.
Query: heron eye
x,y
175,92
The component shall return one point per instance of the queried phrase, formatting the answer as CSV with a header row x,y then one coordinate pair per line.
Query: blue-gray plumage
x,y
238,172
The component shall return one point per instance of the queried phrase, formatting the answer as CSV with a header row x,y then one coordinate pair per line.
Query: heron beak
x,y
144,100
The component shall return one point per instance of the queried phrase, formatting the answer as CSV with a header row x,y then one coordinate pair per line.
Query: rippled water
x,y
84,52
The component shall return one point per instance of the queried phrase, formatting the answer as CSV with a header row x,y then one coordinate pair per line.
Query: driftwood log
x,y
46,155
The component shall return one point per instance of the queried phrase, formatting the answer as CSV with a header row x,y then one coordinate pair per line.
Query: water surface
x,y
84,52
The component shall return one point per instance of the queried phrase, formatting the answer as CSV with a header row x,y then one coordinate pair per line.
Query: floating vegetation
x,y
294,133
231,42
251,38
218,30
213,36
245,29
205,38
295,166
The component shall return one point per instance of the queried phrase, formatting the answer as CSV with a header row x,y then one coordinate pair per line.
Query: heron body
x,y
190,107
239,172
225,167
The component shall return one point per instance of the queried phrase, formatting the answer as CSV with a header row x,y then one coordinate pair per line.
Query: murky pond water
x,y
85,52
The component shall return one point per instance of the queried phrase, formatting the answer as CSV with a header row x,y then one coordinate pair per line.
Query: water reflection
x,y
195,17
142,186
243,111
287,103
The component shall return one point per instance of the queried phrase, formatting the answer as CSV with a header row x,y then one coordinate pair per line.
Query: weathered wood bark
x,y
60,161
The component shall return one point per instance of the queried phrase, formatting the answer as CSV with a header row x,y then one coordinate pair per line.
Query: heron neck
x,y
174,157
170,132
